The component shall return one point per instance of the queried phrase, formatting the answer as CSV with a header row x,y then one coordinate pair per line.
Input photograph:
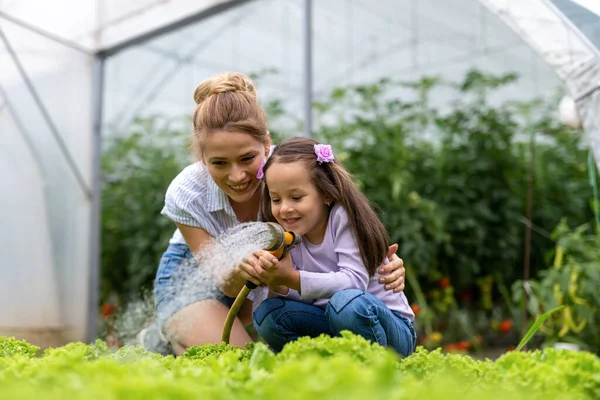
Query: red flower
x,y
450,347
505,326
445,282
463,345
107,309
416,309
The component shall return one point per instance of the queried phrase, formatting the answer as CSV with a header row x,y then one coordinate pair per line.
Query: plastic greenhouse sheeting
x,y
570,53
591,5
354,43
52,71
49,155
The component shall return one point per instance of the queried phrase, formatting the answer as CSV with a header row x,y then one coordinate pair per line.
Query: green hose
x,y
235,309
281,243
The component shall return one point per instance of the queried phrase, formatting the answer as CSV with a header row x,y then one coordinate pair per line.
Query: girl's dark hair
x,y
335,183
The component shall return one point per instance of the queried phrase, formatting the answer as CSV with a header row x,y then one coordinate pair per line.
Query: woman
x,y
207,198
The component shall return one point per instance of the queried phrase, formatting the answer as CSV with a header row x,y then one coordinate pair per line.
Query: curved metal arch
x,y
565,48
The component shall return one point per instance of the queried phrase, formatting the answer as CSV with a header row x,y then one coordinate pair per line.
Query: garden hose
x,y
282,242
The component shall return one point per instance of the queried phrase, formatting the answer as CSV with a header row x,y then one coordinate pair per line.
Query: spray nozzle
x,y
281,243
281,240
278,236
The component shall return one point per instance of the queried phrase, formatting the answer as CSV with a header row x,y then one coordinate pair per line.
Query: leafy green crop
x,y
215,350
10,346
347,367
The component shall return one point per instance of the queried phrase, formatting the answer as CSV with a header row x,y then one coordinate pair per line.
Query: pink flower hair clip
x,y
324,153
260,174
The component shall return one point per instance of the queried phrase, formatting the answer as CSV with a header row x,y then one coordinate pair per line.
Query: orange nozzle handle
x,y
288,239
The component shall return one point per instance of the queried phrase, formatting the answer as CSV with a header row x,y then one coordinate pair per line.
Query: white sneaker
x,y
152,339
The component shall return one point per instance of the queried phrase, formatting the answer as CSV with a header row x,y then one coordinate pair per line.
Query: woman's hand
x,y
393,272
250,269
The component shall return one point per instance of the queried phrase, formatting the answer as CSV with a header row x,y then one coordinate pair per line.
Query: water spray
x,y
281,243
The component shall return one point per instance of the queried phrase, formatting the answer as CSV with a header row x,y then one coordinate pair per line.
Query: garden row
x,y
332,368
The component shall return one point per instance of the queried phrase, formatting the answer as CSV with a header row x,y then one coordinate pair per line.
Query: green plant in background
x,y
378,138
448,199
561,184
450,184
476,183
137,170
536,326
571,283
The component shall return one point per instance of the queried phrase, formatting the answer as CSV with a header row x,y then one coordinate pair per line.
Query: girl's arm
x,y
342,270
351,273
337,267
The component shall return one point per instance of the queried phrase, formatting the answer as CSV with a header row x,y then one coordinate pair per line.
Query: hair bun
x,y
229,82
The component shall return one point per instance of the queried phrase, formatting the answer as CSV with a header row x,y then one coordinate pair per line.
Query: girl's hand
x,y
250,270
393,271
267,260
278,272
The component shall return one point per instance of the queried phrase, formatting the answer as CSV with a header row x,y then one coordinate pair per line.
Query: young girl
x,y
333,284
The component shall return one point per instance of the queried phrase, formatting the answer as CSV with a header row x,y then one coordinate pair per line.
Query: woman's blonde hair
x,y
227,102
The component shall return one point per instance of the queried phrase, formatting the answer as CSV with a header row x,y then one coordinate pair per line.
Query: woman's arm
x,y
196,239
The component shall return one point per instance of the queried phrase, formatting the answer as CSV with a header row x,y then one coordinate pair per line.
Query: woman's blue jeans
x,y
279,320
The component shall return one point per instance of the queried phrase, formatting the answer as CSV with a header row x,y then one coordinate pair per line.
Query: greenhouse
x,y
77,77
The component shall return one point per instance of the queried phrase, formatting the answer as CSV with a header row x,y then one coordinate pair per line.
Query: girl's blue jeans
x,y
279,320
